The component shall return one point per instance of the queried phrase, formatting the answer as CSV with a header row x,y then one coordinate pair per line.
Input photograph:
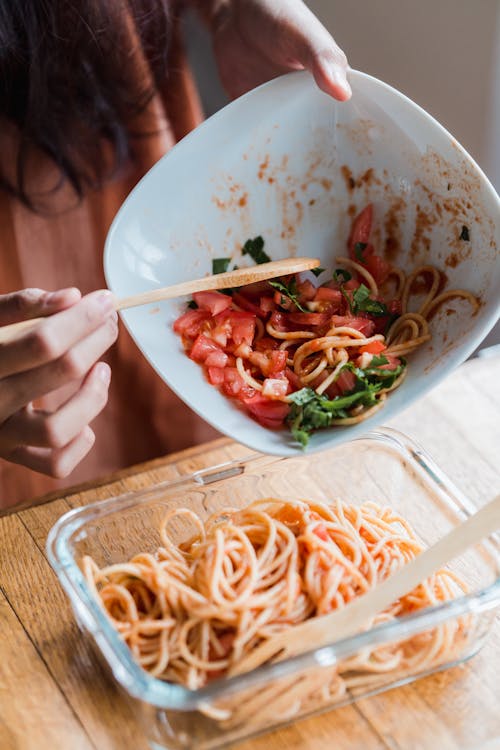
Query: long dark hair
x,y
65,82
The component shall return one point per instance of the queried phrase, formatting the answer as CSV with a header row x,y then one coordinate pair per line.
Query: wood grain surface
x,y
55,694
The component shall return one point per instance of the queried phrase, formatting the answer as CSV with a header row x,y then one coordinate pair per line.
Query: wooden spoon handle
x,y
239,277
343,623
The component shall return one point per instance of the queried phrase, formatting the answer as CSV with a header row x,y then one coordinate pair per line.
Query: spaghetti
x,y
193,609
313,356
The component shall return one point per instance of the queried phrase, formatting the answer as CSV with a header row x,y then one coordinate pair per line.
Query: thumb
x,y
35,303
320,54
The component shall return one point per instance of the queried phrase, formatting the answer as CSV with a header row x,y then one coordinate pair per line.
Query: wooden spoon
x,y
240,277
343,623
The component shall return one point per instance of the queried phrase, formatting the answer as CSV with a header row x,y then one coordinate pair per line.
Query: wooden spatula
x,y
322,631
240,277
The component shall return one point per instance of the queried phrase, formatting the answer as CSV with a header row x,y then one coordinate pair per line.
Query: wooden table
x,y
54,695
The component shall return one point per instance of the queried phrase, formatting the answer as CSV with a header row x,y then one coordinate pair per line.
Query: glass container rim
x,y
161,694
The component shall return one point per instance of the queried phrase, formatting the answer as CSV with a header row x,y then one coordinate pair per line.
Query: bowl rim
x,y
285,446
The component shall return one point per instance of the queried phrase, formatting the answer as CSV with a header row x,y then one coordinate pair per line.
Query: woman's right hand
x,y
62,349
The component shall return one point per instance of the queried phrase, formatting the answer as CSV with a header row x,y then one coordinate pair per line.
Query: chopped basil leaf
x,y
378,360
289,291
310,411
465,234
317,271
255,249
192,305
362,302
359,247
340,275
220,265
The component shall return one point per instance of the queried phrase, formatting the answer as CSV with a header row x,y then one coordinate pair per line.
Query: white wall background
x,y
444,54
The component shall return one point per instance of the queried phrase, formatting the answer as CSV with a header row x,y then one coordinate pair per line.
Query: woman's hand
x,y
63,348
256,40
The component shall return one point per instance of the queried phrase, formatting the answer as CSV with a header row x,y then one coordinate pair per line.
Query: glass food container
x,y
385,467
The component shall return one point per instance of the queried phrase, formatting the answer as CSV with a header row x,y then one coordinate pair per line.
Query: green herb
x,y
378,359
310,411
192,305
465,234
255,249
340,276
219,265
359,247
317,271
289,291
362,302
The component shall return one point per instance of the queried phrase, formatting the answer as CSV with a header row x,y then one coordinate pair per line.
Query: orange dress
x,y
143,419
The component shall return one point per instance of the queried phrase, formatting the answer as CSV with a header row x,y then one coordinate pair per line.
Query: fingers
x,y
74,364
331,75
315,49
53,337
40,429
35,303
56,462
320,54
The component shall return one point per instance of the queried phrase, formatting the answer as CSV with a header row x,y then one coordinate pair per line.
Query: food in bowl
x,y
190,611
310,356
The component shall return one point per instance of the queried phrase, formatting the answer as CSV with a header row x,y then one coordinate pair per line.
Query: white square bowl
x,y
287,162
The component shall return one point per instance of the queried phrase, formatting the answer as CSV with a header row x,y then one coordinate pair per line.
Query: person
x,y
92,94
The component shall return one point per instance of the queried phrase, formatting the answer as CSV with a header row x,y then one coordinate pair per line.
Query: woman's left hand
x,y
256,40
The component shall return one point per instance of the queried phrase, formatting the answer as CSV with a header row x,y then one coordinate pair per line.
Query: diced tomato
x,y
202,347
277,362
309,319
242,350
394,307
235,386
214,302
364,325
190,324
351,285
266,304
278,321
275,387
392,363
321,532
361,229
243,329
293,379
377,266
271,362
331,295
375,347
246,304
216,359
257,289
306,291
215,375
265,344
240,326
346,381
268,412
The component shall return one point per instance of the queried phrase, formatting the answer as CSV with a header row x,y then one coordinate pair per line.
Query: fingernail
x,y
106,300
104,372
340,79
